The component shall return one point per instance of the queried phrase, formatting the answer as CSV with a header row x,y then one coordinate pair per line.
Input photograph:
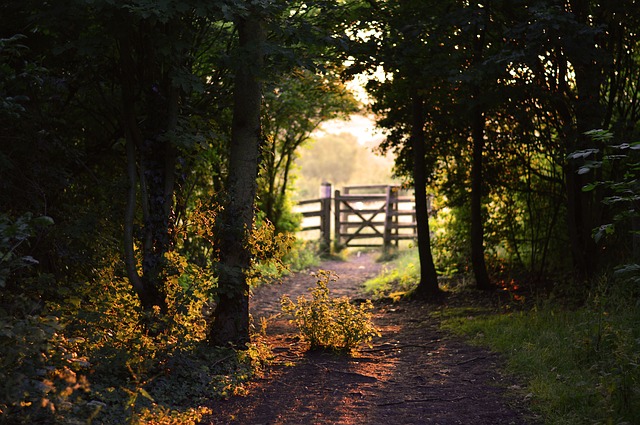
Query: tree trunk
x,y
158,173
477,229
428,285
231,316
477,135
584,208
147,288
147,294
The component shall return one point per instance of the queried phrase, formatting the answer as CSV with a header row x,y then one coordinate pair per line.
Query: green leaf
x,y
43,220
582,154
600,135
602,231
75,301
146,395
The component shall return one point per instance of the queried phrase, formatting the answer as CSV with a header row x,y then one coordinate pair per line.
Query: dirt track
x,y
414,374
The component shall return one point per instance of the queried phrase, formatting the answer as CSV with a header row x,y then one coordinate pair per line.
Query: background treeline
x,y
522,119
506,99
116,122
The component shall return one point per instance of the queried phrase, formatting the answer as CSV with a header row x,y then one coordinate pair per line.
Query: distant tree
x,y
400,102
359,164
295,106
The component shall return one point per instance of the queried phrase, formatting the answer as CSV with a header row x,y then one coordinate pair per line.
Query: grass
x,y
303,255
580,365
398,278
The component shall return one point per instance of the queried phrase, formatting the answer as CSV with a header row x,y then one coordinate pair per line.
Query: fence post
x,y
325,215
336,221
390,206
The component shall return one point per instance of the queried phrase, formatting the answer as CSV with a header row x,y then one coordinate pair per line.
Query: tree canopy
x,y
147,153
509,90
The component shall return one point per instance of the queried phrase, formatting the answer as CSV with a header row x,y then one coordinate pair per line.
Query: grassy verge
x,y
580,365
397,278
303,254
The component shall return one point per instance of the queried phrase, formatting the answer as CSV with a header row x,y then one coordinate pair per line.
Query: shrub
x,y
332,323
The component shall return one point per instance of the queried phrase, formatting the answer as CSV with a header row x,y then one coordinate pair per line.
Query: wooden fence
x,y
363,216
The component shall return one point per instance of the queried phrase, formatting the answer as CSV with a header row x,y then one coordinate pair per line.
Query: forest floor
x,y
415,373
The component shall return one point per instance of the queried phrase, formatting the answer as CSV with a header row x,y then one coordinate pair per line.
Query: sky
x,y
361,126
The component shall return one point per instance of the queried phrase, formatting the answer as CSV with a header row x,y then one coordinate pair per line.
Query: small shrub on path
x,y
330,323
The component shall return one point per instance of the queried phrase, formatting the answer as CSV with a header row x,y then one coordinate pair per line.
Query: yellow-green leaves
x,y
327,322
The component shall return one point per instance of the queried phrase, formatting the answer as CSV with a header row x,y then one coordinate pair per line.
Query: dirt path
x,y
414,374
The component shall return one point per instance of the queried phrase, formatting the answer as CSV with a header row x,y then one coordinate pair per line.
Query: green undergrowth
x,y
580,365
301,255
84,351
93,356
397,278
96,357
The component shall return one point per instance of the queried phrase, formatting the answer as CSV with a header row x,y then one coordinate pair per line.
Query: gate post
x,y
336,219
389,208
325,216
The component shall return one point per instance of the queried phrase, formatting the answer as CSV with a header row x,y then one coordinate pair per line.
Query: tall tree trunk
x,y
428,285
147,294
147,289
477,135
584,208
477,229
231,316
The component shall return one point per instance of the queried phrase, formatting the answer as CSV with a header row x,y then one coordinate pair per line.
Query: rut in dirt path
x,y
414,373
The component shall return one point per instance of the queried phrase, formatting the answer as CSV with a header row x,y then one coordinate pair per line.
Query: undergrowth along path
x,y
415,373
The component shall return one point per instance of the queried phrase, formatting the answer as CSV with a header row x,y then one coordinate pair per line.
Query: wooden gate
x,y
373,216
363,216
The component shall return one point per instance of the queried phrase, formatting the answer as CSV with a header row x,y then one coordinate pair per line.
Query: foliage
x,y
143,367
94,355
580,365
13,234
300,256
11,50
397,279
38,380
269,250
37,366
547,75
450,239
303,255
327,322
295,106
621,193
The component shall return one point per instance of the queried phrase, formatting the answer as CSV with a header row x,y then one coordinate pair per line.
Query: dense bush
x,y
89,352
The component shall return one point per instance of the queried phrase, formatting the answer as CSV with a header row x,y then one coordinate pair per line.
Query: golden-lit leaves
x,y
327,322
